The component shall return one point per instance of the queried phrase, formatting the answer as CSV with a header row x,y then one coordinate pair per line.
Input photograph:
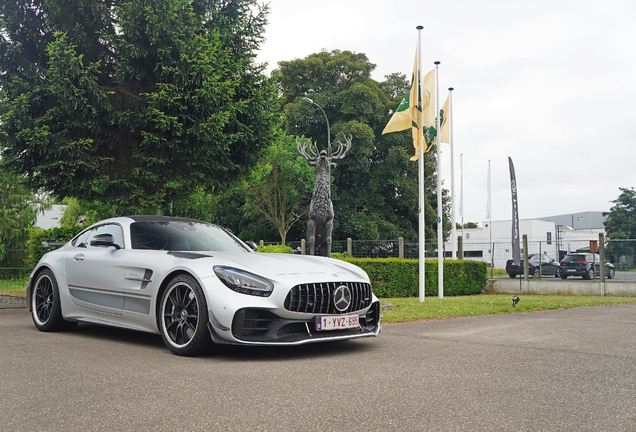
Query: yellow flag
x,y
409,112
429,96
445,120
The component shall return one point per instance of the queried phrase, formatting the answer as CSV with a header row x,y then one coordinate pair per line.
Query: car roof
x,y
153,218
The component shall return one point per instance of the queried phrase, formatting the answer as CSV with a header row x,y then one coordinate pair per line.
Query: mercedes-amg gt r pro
x,y
193,283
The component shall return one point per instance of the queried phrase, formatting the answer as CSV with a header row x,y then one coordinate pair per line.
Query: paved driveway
x,y
557,370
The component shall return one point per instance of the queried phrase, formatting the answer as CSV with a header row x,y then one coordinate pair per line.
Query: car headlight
x,y
243,282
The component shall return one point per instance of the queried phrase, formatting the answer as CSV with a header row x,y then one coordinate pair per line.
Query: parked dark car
x,y
549,267
586,265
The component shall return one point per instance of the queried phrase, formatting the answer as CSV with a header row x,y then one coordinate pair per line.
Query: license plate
x,y
336,322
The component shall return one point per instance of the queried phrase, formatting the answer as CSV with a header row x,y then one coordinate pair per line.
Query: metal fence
x,y
620,253
13,284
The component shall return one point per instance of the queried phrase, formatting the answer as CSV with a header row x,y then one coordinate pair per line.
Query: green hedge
x,y
275,249
396,277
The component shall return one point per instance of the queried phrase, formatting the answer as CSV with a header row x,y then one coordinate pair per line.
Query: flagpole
x,y
420,165
489,210
452,149
440,220
461,194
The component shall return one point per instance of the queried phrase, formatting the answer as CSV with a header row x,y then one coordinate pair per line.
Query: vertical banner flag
x,y
516,252
409,113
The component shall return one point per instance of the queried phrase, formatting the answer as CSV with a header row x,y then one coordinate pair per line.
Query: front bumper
x,y
254,326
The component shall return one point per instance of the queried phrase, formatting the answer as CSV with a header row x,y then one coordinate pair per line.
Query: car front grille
x,y
317,298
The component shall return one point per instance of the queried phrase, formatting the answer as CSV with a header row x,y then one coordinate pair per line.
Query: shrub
x,y
37,236
339,255
396,277
279,248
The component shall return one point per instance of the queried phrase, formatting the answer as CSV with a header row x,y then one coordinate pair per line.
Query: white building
x,y
50,218
493,241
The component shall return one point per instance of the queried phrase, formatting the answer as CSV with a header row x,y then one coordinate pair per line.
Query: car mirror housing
x,y
104,240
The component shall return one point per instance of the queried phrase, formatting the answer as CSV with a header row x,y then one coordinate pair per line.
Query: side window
x,y
82,239
113,229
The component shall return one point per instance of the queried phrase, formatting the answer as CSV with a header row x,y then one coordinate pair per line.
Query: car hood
x,y
282,266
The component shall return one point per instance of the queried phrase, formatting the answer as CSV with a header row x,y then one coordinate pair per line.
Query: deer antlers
x,y
343,149
309,149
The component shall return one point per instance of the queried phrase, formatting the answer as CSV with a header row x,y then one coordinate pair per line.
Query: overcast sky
x,y
550,83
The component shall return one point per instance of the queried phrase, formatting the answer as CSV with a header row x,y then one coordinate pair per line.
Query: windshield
x,y
183,236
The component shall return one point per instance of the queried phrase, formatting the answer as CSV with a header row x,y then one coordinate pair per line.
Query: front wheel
x,y
611,274
591,274
45,304
183,316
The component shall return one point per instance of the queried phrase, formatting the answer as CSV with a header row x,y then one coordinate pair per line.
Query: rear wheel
x,y
45,304
512,275
536,272
183,316
557,273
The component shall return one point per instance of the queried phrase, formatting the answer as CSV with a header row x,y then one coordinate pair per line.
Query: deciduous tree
x,y
375,187
620,224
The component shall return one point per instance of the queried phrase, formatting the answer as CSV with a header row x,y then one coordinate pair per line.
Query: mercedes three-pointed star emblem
x,y
342,298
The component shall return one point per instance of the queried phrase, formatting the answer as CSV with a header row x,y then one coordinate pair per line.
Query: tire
x,y
591,274
46,311
611,273
183,317
557,273
564,276
512,275
536,272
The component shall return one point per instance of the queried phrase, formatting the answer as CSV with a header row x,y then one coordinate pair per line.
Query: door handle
x,y
78,257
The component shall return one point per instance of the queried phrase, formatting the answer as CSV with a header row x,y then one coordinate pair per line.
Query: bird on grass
x,y
515,300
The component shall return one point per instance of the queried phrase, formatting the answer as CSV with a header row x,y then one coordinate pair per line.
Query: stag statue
x,y
320,223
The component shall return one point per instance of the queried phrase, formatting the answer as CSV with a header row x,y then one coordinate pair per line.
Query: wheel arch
x,y
36,273
164,286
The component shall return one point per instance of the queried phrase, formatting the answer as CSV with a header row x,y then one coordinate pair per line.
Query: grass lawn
x,y
410,309
14,286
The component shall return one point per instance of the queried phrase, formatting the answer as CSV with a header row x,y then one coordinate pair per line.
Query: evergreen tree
x,y
134,104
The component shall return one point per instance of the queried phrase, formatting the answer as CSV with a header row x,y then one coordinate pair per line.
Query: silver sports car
x,y
193,283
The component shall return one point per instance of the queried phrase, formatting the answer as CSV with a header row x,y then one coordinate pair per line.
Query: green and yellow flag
x,y
409,114
444,121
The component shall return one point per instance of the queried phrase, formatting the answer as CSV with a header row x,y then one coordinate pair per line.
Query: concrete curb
x,y
561,287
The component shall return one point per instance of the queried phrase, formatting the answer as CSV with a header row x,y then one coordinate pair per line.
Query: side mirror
x,y
104,240
251,244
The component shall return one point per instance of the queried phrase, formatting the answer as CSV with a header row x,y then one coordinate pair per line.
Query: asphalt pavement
x,y
561,370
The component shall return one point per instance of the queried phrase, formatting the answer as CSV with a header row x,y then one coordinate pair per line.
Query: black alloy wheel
x,y
45,304
183,317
